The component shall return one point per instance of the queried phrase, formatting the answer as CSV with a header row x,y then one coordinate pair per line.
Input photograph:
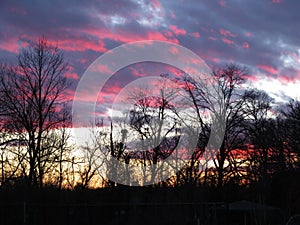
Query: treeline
x,y
257,137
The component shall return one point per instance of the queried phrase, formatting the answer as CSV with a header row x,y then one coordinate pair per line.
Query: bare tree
x,y
290,121
11,159
230,80
230,96
31,100
258,107
94,162
59,147
147,131
198,99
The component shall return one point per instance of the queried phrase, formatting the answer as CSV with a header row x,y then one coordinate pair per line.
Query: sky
x,y
261,35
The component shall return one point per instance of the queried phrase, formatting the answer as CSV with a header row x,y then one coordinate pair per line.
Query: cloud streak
x,y
261,35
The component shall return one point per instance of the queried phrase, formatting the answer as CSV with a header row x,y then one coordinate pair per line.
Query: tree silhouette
x,y
32,102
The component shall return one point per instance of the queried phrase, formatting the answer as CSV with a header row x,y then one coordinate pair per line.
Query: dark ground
x,y
187,204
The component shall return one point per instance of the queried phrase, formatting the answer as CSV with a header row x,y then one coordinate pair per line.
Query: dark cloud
x,y
252,33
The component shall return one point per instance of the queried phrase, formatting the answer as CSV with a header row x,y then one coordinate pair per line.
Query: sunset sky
x,y
262,35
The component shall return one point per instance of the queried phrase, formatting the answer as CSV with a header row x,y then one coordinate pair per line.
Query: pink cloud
x,y
112,89
81,45
71,75
246,45
101,68
159,36
286,79
177,31
226,33
70,44
216,60
138,72
69,94
277,1
109,94
106,97
173,50
191,70
196,34
251,77
125,36
248,34
168,33
222,3
227,41
83,61
10,46
268,69
291,76
156,4
174,70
